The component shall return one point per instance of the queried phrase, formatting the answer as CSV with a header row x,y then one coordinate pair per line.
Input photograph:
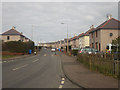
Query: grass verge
x,y
8,56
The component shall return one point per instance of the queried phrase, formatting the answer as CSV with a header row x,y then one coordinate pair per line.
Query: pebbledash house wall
x,y
77,43
86,41
11,38
83,41
106,38
103,38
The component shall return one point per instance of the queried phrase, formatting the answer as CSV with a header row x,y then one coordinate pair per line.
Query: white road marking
x,y
4,61
45,55
36,60
20,67
60,86
0,61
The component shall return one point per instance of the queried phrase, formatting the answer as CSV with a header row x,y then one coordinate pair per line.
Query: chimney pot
x,y
13,27
109,16
21,33
91,26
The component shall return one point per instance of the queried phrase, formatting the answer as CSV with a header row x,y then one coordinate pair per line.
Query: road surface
x,y
38,71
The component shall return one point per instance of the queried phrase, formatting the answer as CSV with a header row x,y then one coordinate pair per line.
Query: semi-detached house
x,y
104,34
13,35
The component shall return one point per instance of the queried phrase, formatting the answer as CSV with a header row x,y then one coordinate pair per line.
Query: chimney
x,y
109,16
13,28
91,27
75,35
21,33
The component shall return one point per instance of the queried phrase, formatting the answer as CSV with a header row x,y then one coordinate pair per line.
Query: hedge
x,y
18,46
97,62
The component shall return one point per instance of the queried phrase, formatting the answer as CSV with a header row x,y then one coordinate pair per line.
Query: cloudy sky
x,y
46,18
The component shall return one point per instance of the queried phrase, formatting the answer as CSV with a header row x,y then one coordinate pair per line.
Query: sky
x,y
46,18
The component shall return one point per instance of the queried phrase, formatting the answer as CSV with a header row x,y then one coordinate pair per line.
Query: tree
x,y
116,43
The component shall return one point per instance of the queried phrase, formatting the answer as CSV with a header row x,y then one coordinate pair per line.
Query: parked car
x,y
53,50
88,50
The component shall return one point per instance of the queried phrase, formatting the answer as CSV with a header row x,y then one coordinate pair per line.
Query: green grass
x,y
8,56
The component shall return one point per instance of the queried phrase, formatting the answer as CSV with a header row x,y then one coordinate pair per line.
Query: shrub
x,y
18,46
74,52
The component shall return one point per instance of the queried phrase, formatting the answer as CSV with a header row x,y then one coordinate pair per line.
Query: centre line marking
x,y
20,67
4,61
45,55
36,60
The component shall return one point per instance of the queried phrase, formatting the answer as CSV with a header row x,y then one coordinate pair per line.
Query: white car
x,y
53,50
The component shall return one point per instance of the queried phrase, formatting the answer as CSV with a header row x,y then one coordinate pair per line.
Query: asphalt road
x,y
38,71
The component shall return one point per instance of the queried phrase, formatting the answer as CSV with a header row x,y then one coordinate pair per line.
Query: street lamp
x,y
67,37
32,33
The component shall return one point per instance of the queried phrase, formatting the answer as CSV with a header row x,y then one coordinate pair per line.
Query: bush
x,y
74,52
18,46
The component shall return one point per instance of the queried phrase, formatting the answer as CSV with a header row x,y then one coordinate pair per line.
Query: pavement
x,y
83,77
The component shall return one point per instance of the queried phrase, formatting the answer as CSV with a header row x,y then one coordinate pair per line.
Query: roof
x,y
80,35
12,32
75,37
108,24
87,33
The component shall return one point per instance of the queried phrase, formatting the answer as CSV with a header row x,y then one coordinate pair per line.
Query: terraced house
x,y
84,38
104,34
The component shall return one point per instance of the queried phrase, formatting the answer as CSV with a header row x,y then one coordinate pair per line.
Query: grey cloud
x,y
47,18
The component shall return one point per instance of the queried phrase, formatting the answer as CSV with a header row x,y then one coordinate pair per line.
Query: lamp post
x,y
32,33
67,37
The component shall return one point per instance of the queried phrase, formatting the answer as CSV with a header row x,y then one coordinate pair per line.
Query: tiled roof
x,y
80,35
108,24
87,33
12,32
73,38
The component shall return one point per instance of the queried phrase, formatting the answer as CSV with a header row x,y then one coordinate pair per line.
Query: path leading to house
x,y
80,75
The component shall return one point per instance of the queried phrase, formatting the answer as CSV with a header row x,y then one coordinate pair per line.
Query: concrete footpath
x,y
82,76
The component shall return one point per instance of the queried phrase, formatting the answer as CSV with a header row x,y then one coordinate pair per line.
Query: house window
x,y
8,37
